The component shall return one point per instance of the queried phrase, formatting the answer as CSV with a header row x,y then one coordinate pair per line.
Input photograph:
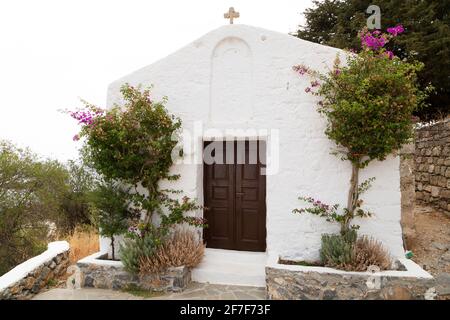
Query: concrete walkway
x,y
195,291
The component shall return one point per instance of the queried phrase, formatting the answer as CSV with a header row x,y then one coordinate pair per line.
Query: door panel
x,y
235,199
219,202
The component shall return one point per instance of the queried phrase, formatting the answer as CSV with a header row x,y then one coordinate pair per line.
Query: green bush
x,y
133,249
351,253
31,192
75,205
368,104
336,250
133,145
37,195
110,210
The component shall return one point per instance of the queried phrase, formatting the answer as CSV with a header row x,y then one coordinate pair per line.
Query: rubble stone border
x,y
97,272
29,277
292,282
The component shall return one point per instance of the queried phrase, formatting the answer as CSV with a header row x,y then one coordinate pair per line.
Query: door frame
x,y
203,184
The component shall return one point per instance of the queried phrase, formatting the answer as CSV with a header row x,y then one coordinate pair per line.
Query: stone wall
x,y
28,278
316,283
107,274
432,169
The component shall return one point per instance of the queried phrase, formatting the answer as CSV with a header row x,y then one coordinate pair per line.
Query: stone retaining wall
x,y
28,278
432,169
316,283
107,274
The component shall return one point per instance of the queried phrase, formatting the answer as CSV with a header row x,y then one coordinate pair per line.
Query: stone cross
x,y
231,14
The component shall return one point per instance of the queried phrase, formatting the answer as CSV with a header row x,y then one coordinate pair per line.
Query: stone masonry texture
x,y
298,285
115,277
432,165
34,281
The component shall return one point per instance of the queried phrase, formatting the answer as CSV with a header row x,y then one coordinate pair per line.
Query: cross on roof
x,y
231,14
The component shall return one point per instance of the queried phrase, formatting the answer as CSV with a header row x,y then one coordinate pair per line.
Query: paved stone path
x,y
195,291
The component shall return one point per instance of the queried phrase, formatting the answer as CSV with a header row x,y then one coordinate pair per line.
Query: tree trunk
x,y
353,195
112,247
153,197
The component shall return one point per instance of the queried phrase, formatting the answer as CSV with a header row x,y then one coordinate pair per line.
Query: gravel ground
x,y
431,246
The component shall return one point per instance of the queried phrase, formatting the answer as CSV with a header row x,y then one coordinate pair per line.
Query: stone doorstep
x,y
230,267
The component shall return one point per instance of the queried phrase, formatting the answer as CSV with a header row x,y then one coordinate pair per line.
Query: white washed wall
x,y
241,77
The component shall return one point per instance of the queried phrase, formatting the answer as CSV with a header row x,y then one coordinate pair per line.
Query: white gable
x,y
239,76
230,67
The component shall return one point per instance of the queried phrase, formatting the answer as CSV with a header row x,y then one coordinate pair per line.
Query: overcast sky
x,y
53,52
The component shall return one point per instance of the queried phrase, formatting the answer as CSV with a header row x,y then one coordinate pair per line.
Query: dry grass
x,y
83,242
183,249
369,252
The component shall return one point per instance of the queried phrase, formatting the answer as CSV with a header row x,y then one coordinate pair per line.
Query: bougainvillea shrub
x,y
368,104
132,144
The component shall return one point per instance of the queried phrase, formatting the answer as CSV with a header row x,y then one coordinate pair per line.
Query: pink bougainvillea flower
x,y
86,117
76,137
390,54
315,83
337,72
308,89
373,42
300,69
394,31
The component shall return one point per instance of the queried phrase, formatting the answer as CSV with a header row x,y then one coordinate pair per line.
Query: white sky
x,y
54,52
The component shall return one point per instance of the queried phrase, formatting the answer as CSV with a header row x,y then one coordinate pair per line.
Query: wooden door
x,y
235,193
